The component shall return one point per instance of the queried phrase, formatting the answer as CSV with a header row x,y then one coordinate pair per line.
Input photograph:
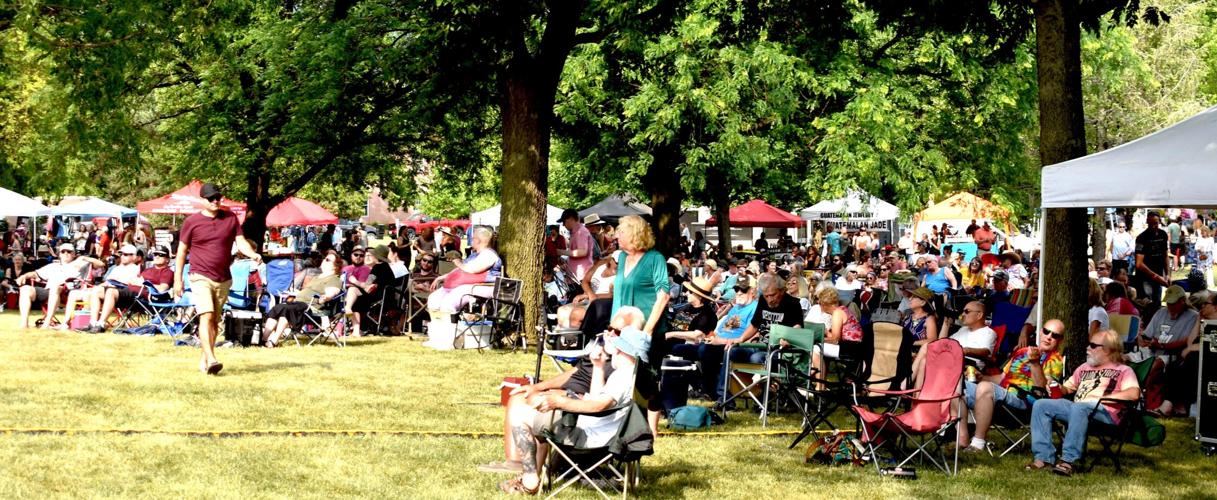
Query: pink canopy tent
x,y
299,212
757,213
185,201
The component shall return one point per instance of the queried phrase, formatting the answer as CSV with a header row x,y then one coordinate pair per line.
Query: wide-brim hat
x,y
592,219
1173,294
923,293
700,286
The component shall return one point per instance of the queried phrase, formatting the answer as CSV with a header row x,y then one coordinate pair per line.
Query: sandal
x,y
506,467
1063,469
516,487
1037,465
214,368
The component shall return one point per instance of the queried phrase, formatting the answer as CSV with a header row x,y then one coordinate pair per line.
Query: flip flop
x,y
1033,466
1063,469
214,368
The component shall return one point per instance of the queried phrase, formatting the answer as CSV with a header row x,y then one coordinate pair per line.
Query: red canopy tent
x,y
299,212
757,213
185,201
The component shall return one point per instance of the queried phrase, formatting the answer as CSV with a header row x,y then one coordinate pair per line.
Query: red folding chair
x,y
928,419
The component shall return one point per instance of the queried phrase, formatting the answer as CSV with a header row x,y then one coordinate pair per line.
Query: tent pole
x,y
1039,315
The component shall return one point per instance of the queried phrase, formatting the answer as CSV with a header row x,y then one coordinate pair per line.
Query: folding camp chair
x,y
240,295
929,418
502,312
1135,425
1013,425
1012,316
386,308
802,342
279,276
614,466
331,324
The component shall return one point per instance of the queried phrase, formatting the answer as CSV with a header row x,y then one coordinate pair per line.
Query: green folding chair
x,y
796,355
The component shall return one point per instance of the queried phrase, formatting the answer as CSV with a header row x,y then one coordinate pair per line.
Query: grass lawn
x,y
122,411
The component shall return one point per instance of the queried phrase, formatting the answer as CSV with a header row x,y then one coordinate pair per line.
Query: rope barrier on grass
x,y
347,432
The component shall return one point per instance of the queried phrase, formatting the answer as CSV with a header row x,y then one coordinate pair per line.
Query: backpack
x,y
689,417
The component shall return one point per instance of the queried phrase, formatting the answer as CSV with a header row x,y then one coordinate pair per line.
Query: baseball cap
x,y
381,252
1001,275
209,191
128,248
160,250
67,246
568,214
1173,294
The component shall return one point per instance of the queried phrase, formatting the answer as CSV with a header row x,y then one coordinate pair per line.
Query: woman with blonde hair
x,y
642,282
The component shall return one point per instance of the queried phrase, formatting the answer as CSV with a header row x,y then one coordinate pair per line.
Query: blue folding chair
x,y
239,294
279,276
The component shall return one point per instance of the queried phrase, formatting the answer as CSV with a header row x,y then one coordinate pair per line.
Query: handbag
x,y
836,448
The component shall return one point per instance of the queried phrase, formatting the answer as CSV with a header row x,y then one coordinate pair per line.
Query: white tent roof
x,y
855,206
490,216
16,205
1175,166
94,207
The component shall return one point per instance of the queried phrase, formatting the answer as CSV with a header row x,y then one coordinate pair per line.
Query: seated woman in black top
x,y
701,308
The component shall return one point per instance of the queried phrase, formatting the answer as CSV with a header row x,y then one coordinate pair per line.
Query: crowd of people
x,y
700,302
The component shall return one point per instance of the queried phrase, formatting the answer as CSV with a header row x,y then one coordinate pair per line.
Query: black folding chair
x,y
502,312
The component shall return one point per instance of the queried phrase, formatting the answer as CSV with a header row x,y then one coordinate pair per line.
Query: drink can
x,y
1054,390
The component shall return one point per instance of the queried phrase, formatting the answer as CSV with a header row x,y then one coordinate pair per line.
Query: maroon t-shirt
x,y
155,276
210,240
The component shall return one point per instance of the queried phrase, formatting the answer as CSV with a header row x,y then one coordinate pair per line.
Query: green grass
x,y
118,410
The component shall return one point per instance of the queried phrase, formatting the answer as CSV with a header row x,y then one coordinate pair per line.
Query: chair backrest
x,y
802,338
238,293
1126,325
279,275
942,373
888,337
508,289
444,267
1013,317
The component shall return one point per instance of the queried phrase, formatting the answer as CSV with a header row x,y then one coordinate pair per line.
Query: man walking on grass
x,y
208,237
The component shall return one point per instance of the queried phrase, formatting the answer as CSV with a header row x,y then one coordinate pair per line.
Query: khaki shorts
x,y
208,296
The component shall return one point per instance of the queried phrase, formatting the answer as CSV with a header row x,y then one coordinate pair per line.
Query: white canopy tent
x,y
1173,167
93,207
17,205
856,210
490,216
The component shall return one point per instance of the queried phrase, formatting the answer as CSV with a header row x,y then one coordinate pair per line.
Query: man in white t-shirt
x,y
615,391
976,339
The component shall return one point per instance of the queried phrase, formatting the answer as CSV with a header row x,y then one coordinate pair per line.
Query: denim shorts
x,y
1000,395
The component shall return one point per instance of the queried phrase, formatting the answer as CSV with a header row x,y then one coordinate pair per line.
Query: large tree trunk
x,y
1062,137
529,84
257,206
525,182
720,200
663,184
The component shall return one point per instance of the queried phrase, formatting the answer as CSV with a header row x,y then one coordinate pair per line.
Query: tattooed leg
x,y
527,447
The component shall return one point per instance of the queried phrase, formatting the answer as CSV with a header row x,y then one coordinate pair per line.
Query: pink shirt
x,y
581,239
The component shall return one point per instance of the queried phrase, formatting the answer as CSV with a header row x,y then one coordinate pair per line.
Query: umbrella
x,y
185,201
299,212
615,207
93,207
16,205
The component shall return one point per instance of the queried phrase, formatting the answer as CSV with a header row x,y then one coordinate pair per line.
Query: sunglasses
x,y
160,254
356,255
1053,334
215,199
970,311
66,251
129,254
1093,345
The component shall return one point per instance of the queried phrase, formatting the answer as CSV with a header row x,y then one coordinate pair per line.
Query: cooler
x,y
473,335
676,374
243,327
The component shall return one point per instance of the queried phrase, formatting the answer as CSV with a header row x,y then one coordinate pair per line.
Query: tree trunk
x,y
525,182
528,86
663,184
257,205
1062,137
1098,235
720,200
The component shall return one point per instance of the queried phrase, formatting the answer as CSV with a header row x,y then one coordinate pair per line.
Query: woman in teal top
x,y
642,280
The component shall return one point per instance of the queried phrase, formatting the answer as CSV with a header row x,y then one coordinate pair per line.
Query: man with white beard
x,y
1102,376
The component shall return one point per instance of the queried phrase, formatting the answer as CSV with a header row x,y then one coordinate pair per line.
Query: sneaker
x,y
973,451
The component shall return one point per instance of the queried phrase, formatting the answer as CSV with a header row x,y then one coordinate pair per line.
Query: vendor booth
x,y
615,207
857,210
